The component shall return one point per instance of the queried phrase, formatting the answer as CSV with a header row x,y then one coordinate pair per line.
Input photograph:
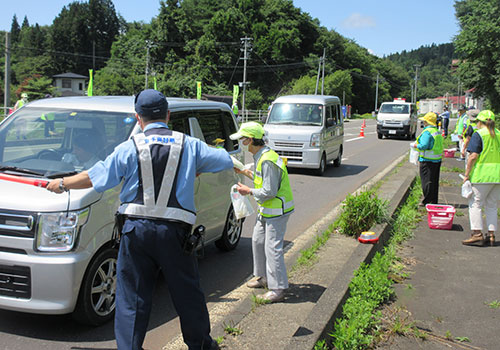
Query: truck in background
x,y
436,106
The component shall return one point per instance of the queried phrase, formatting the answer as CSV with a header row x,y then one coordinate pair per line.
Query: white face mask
x,y
244,147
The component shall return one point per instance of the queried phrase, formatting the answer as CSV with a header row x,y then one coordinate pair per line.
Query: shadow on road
x,y
220,272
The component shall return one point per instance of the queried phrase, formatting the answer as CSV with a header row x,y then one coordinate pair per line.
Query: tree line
x,y
199,40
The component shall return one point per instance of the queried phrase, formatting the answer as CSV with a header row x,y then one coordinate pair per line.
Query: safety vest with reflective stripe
x,y
283,202
487,167
467,124
164,206
436,153
47,117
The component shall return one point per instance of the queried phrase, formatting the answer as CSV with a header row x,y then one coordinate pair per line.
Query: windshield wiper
x,y
285,123
21,170
55,175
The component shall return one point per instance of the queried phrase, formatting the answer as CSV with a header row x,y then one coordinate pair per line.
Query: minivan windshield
x,y
58,141
296,114
394,108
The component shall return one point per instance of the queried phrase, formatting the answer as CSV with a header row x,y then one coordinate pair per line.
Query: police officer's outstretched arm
x,y
209,159
78,181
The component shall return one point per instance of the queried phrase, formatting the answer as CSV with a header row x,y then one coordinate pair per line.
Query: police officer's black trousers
x,y
145,246
429,175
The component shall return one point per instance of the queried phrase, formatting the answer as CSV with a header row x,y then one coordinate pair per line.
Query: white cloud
x,y
357,20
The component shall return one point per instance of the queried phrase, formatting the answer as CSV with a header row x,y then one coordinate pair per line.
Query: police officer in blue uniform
x,y
158,169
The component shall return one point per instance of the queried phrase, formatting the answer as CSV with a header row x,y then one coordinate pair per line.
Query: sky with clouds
x,y
383,27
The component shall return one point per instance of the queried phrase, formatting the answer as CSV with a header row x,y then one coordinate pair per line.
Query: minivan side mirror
x,y
329,122
264,119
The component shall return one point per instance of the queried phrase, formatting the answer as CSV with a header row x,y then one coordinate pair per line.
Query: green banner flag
x,y
198,90
236,91
155,82
90,87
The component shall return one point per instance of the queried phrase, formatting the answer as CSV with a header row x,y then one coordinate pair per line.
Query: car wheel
x,y
380,136
337,162
231,234
322,166
97,298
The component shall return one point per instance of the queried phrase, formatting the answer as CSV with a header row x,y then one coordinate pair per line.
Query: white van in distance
x,y
307,130
397,118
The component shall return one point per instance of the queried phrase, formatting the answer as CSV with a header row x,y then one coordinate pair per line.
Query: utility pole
x,y
149,45
6,97
323,74
321,62
317,77
416,80
93,55
376,95
343,98
247,48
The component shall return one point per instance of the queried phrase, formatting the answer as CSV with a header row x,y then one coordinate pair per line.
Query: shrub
x,y
360,212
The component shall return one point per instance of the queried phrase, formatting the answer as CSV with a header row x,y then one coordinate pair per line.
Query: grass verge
x,y
372,284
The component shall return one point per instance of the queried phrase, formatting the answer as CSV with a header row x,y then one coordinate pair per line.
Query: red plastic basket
x,y
449,153
440,216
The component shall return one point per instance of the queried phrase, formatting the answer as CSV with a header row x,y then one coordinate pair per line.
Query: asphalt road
x,y
220,272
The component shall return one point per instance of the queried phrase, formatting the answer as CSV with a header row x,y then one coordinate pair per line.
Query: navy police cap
x,y
151,103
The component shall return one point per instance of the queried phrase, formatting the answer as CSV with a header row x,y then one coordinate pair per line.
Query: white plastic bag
x,y
413,156
466,187
241,204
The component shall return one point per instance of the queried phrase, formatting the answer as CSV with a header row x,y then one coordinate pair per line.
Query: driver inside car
x,y
84,152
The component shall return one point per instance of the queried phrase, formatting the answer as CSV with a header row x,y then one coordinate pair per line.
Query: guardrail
x,y
251,115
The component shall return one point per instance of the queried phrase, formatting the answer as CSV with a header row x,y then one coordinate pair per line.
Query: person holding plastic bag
x,y
483,171
274,196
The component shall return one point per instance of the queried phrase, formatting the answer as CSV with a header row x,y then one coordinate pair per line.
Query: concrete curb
x,y
320,321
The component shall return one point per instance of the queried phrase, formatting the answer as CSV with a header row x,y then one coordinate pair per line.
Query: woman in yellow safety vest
x,y
430,147
483,171
273,193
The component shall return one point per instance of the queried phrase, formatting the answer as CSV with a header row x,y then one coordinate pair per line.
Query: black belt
x,y
181,224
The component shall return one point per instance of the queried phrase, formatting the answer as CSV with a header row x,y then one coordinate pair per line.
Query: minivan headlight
x,y
57,232
315,140
380,122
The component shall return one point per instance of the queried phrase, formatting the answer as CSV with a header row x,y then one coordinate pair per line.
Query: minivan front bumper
x,y
44,284
393,131
300,158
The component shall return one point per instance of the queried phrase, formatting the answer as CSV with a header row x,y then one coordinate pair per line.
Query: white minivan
x,y
56,251
307,130
397,118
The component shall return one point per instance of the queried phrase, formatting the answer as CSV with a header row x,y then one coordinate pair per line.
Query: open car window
x,y
60,140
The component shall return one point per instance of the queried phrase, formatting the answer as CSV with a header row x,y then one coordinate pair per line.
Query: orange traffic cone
x,y
442,134
362,132
364,124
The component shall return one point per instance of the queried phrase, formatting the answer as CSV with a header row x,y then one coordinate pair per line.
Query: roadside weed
x,y
256,302
446,182
452,170
462,339
360,212
459,213
320,345
308,256
219,340
448,335
495,304
231,329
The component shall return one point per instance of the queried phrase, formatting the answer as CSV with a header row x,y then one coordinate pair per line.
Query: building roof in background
x,y
70,75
